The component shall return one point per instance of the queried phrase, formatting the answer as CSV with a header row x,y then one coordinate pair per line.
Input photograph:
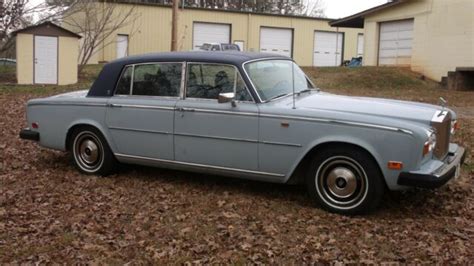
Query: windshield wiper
x,y
279,96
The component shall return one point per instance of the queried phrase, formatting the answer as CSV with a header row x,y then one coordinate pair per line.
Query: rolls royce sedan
x,y
249,115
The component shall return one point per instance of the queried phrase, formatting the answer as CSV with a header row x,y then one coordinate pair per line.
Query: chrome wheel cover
x,y
341,182
88,151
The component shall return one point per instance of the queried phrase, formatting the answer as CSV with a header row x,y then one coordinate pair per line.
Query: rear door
x,y
140,115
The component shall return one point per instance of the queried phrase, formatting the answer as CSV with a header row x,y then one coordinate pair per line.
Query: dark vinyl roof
x,y
357,20
105,84
224,57
47,28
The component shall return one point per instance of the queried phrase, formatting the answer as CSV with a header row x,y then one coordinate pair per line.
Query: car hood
x,y
405,110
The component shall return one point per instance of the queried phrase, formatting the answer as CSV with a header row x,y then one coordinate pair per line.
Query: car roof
x,y
228,57
105,83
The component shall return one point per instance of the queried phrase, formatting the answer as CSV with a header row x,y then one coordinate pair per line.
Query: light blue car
x,y
249,115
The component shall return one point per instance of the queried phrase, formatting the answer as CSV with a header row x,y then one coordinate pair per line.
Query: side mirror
x,y
226,97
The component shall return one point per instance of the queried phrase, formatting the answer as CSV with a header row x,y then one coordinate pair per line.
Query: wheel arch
x,y
297,172
88,123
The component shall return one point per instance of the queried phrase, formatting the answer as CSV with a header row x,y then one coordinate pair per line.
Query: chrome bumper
x,y
29,134
437,178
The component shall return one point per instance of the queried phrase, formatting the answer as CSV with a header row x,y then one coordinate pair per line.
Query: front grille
x,y
443,134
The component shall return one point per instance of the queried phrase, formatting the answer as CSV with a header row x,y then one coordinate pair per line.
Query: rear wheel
x,y
345,180
91,153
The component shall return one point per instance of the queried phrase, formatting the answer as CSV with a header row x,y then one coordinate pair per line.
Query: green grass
x,y
85,80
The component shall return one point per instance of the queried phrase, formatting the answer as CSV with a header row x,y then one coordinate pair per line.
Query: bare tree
x,y
312,8
14,14
98,22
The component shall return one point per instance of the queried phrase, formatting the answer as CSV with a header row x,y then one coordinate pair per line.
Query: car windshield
x,y
275,78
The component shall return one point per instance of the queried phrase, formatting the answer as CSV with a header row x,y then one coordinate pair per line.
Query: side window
x,y
215,48
206,81
157,79
123,85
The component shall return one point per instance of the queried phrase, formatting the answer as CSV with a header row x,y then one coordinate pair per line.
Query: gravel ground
x,y
51,213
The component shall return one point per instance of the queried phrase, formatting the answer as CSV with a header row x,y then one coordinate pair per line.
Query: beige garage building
x,y
310,41
46,54
433,37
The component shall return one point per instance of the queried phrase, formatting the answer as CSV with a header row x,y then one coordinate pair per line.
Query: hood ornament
x,y
442,102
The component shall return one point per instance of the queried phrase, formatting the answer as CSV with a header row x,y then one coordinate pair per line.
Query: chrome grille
x,y
441,122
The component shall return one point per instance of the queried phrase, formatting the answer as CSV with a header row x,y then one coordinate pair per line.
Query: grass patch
x,y
85,81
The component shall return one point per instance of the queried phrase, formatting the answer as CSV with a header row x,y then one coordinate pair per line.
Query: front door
x,y
140,115
211,133
46,60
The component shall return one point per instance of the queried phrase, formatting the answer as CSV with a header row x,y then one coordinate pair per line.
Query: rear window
x,y
124,84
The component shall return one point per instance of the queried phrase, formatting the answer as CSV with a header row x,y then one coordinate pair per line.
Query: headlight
x,y
430,144
454,126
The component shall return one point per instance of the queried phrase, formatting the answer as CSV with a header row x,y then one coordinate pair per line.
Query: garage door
x,y
327,48
276,41
210,33
46,60
396,40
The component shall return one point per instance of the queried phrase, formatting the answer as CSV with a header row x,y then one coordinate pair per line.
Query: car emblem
x,y
442,102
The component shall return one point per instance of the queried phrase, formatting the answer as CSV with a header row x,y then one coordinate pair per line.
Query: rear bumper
x,y
29,134
437,178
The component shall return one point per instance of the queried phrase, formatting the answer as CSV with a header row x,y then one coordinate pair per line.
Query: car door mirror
x,y
226,97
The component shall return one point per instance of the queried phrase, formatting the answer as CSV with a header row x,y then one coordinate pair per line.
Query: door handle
x,y
112,105
182,109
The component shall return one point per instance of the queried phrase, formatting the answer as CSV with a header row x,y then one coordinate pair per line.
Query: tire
x,y
91,153
345,180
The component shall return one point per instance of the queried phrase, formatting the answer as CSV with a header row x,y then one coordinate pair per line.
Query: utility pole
x,y
174,26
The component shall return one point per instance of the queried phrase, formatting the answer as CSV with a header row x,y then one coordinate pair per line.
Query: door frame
x,y
34,58
342,46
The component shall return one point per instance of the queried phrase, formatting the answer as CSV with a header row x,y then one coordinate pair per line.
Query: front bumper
x,y
437,178
29,134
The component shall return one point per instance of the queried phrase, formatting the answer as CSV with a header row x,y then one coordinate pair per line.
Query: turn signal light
x,y
395,165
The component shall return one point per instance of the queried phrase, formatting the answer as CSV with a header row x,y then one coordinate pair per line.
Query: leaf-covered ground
x,y
51,213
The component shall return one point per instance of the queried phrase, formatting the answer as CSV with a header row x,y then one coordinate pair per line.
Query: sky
x,y
334,8
344,8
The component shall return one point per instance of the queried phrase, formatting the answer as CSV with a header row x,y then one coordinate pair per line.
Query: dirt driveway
x,y
51,213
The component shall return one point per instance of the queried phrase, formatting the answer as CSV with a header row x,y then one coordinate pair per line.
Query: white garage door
x,y
46,60
122,46
210,33
327,48
276,41
396,40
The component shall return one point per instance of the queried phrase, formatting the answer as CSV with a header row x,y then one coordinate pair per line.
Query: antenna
x,y
293,83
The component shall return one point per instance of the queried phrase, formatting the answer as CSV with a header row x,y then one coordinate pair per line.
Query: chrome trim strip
x,y
281,144
215,137
338,122
211,111
142,130
119,155
143,106
69,103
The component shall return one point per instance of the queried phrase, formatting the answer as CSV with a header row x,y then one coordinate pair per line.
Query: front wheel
x,y
91,153
345,180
